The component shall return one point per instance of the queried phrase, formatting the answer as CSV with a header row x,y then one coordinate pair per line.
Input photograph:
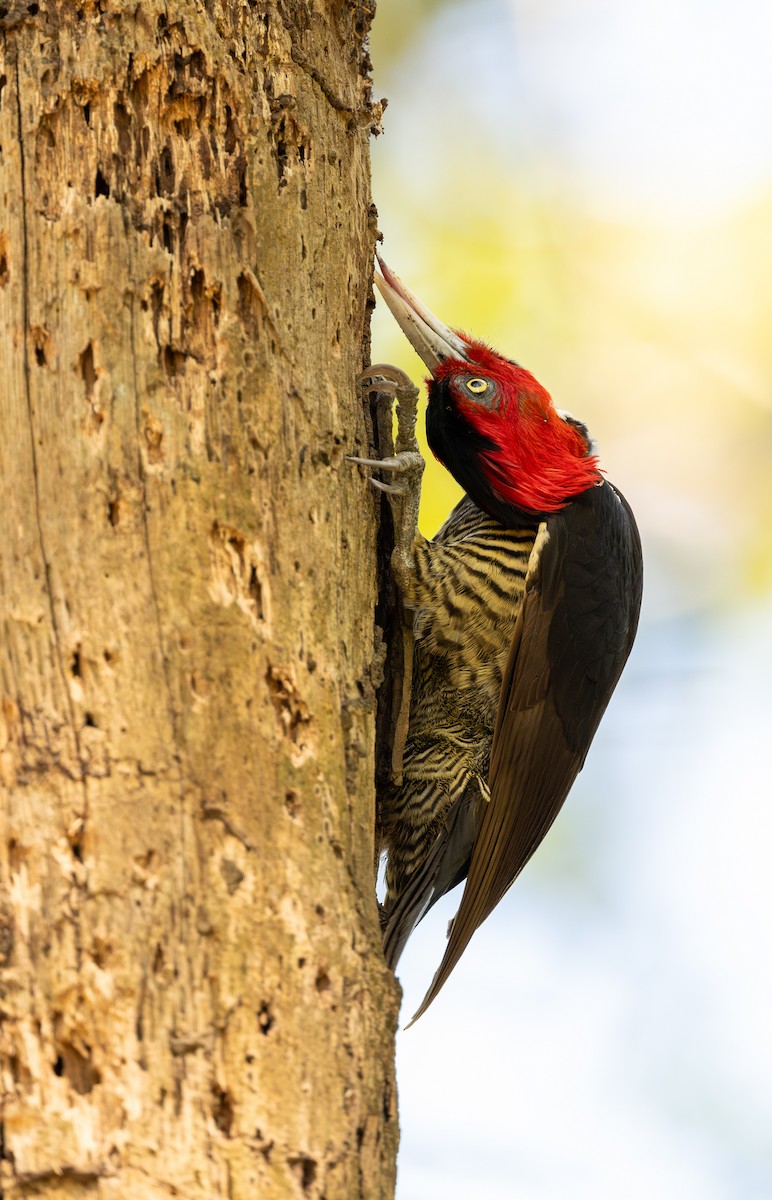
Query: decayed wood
x,y
193,998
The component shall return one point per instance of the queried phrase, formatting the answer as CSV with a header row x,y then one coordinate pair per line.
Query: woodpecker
x,y
524,608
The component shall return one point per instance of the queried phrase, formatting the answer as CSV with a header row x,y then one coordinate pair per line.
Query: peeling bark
x,y
192,993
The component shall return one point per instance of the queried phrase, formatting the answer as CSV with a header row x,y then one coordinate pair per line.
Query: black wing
x,y
572,639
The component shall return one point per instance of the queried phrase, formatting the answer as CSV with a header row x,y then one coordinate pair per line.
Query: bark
x,y
193,998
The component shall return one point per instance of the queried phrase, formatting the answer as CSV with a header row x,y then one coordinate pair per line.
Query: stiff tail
x,y
445,865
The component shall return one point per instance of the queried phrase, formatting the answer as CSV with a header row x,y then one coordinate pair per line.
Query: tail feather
x,y
445,866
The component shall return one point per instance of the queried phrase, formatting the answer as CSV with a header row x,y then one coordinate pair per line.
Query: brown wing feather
x,y
530,774
574,632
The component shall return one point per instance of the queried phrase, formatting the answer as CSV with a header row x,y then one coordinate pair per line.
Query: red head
x,y
532,457
489,421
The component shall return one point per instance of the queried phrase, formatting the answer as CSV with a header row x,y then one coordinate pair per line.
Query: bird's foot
x,y
405,468
406,465
404,495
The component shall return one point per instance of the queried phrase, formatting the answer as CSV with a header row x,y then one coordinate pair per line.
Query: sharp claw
x,y
385,464
385,487
385,386
386,373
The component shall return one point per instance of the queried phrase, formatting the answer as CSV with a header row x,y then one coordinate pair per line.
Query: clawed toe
x,y
375,386
384,377
408,465
385,487
385,464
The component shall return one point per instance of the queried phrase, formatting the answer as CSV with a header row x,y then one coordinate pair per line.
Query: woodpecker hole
x,y
75,663
90,374
41,340
248,305
101,186
197,280
239,574
222,1109
205,308
255,591
75,1066
4,272
114,514
322,983
232,875
156,302
16,855
230,130
281,161
265,1148
122,122
88,370
165,173
292,804
305,1170
291,708
265,1018
173,362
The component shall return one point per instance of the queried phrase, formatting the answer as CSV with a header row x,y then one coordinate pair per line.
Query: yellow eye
x,y
477,386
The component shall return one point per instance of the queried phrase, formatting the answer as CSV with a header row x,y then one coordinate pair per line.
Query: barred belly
x,y
468,589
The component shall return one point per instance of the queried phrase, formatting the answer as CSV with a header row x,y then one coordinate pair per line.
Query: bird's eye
x,y
477,386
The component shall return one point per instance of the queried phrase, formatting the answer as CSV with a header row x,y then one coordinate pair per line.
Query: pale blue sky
x,y
666,105
607,1033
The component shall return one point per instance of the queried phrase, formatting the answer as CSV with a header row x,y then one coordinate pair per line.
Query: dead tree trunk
x,y
192,995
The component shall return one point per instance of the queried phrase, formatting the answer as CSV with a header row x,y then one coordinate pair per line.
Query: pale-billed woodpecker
x,y
524,608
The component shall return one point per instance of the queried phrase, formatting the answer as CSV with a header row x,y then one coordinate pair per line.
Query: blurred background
x,y
588,186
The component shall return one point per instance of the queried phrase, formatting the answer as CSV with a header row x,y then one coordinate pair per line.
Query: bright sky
x,y
668,102
607,1034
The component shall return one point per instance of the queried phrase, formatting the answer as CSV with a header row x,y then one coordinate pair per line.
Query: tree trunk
x,y
193,997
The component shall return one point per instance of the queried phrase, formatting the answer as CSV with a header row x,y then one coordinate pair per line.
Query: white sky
x,y
668,101
664,105
608,1034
